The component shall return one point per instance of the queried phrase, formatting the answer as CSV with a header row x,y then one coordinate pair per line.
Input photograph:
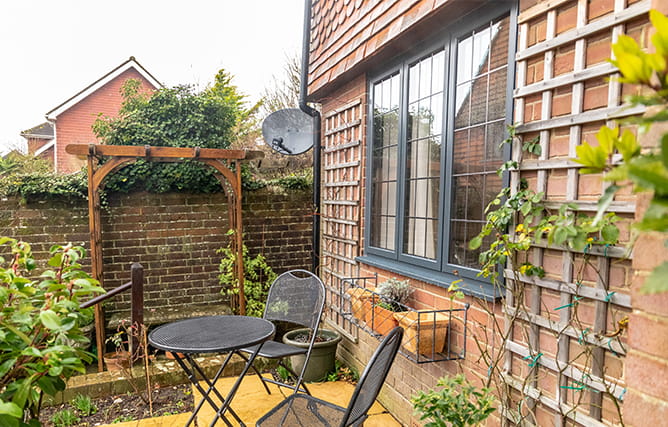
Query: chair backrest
x,y
296,296
372,378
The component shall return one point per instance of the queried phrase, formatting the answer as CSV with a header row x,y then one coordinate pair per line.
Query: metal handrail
x,y
136,285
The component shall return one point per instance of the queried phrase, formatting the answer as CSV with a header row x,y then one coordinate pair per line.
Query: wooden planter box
x,y
358,296
380,319
427,336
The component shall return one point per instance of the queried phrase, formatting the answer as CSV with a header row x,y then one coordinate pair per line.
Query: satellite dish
x,y
288,131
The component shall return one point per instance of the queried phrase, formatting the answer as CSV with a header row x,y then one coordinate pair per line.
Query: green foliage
x,y
643,169
283,373
171,117
84,404
258,277
65,418
342,372
458,403
302,180
39,319
394,294
44,184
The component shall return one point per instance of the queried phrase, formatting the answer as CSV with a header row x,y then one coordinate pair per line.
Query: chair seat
x,y
303,410
275,350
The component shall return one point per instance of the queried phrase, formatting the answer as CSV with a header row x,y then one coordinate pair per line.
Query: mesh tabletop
x,y
211,334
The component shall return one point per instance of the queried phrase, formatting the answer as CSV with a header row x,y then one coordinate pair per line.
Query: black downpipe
x,y
303,95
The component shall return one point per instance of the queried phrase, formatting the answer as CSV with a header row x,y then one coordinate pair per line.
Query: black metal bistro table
x,y
212,334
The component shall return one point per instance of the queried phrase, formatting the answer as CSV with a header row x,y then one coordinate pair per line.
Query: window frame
x,y
439,271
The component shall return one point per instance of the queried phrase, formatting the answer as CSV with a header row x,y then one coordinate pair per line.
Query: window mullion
x,y
401,159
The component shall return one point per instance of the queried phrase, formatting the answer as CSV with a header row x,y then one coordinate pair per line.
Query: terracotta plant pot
x,y
169,355
357,298
427,335
117,360
380,319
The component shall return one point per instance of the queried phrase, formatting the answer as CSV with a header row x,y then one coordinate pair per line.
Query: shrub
x,y
458,403
39,321
258,277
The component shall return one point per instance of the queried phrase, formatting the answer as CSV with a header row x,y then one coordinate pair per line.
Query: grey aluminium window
x,y
437,120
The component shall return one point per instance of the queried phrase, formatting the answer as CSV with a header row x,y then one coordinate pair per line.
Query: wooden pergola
x,y
227,165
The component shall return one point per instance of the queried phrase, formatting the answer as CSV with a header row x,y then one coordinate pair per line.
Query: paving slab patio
x,y
251,402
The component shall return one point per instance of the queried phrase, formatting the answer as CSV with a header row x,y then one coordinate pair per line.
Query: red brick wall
x,y
647,363
174,236
74,126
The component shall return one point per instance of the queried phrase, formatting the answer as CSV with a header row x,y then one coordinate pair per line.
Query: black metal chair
x,y
303,410
296,297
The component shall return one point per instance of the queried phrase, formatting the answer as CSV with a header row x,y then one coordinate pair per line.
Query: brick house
x,y
71,122
416,96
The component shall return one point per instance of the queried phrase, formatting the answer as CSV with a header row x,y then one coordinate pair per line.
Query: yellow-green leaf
x,y
627,145
594,158
607,138
50,319
11,409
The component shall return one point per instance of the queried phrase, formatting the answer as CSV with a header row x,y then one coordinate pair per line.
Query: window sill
x,y
474,288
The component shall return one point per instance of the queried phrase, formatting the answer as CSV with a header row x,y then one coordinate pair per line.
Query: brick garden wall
x,y
174,236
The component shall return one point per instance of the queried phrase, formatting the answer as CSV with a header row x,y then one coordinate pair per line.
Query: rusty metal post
x,y
137,306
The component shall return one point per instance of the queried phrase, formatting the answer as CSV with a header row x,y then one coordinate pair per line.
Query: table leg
x,y
191,372
233,390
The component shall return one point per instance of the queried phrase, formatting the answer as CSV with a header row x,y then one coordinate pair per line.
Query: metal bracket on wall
x,y
429,335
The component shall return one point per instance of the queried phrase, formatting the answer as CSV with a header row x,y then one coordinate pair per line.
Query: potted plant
x,y
390,297
323,354
120,357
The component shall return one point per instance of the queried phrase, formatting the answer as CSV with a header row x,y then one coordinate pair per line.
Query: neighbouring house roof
x,y
88,90
43,131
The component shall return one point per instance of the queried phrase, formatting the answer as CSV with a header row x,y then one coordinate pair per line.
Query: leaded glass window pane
x,y
480,106
423,156
386,98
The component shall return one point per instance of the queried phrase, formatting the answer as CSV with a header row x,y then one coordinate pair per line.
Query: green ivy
x,y
45,185
169,117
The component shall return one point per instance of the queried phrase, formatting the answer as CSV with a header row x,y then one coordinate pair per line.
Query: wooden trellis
x,y
341,210
524,351
225,162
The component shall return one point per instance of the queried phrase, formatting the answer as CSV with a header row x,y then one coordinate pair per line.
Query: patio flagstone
x,y
251,402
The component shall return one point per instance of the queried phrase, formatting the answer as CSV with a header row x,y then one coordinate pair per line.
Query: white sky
x,y
50,50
